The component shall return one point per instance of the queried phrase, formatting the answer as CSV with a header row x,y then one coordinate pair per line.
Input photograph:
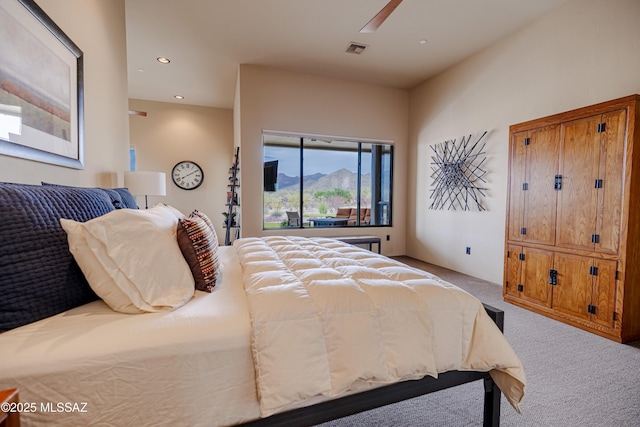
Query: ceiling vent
x,y
356,48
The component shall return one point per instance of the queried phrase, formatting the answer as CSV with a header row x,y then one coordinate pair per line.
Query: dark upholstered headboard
x,y
38,275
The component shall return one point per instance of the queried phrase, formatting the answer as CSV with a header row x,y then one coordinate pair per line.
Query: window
x,y
325,182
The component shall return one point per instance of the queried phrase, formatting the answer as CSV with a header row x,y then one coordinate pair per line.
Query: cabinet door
x,y
517,177
513,272
535,276
578,197
604,293
611,172
540,197
572,293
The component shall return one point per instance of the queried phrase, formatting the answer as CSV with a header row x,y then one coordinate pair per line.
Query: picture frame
x,y
41,113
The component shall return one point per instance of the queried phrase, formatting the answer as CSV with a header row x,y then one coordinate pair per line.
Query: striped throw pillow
x,y
199,245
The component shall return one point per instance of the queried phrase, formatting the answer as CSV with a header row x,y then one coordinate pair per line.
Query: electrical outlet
x,y
468,250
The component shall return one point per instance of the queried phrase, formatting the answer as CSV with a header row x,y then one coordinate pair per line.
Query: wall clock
x,y
187,175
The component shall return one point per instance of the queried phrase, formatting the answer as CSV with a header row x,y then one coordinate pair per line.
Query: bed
x,y
197,364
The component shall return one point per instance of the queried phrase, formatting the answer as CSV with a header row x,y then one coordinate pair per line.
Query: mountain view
x,y
323,195
343,179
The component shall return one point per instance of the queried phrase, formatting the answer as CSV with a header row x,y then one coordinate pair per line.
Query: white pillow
x,y
132,260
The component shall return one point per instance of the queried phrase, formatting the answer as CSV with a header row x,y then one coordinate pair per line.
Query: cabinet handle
x,y
557,182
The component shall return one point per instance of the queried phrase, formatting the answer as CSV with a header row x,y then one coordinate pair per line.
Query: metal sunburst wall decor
x,y
458,174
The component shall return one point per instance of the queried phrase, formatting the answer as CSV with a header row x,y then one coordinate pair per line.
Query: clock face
x,y
187,175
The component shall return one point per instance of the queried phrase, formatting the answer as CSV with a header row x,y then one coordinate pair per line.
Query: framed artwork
x,y
41,88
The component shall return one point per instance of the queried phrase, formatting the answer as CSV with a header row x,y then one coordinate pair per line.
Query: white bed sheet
x,y
189,367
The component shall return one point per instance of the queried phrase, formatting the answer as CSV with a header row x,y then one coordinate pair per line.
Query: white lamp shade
x,y
142,183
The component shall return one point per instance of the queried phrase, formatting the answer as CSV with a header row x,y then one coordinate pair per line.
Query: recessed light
x,y
178,96
423,41
163,60
141,70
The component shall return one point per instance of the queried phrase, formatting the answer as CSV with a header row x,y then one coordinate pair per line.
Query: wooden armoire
x,y
572,249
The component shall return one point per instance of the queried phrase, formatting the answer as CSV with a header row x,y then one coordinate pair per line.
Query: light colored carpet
x,y
574,378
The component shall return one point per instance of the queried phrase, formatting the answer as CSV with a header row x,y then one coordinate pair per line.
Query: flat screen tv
x,y
270,175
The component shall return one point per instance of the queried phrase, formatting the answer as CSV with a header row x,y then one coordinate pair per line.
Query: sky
x,y
315,161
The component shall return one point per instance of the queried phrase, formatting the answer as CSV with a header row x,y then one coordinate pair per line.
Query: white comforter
x,y
329,318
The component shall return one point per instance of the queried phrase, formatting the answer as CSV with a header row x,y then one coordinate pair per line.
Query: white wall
x,y
171,133
285,101
585,52
97,27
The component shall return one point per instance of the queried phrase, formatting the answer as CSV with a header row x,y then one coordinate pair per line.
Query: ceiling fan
x,y
380,17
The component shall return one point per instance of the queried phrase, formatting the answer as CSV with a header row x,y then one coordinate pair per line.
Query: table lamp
x,y
141,183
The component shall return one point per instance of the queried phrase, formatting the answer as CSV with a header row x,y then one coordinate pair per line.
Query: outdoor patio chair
x,y
293,219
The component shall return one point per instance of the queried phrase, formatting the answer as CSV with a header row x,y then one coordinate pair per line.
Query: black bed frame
x,y
386,395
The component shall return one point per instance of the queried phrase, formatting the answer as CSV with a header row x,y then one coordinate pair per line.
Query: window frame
x,y
389,149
